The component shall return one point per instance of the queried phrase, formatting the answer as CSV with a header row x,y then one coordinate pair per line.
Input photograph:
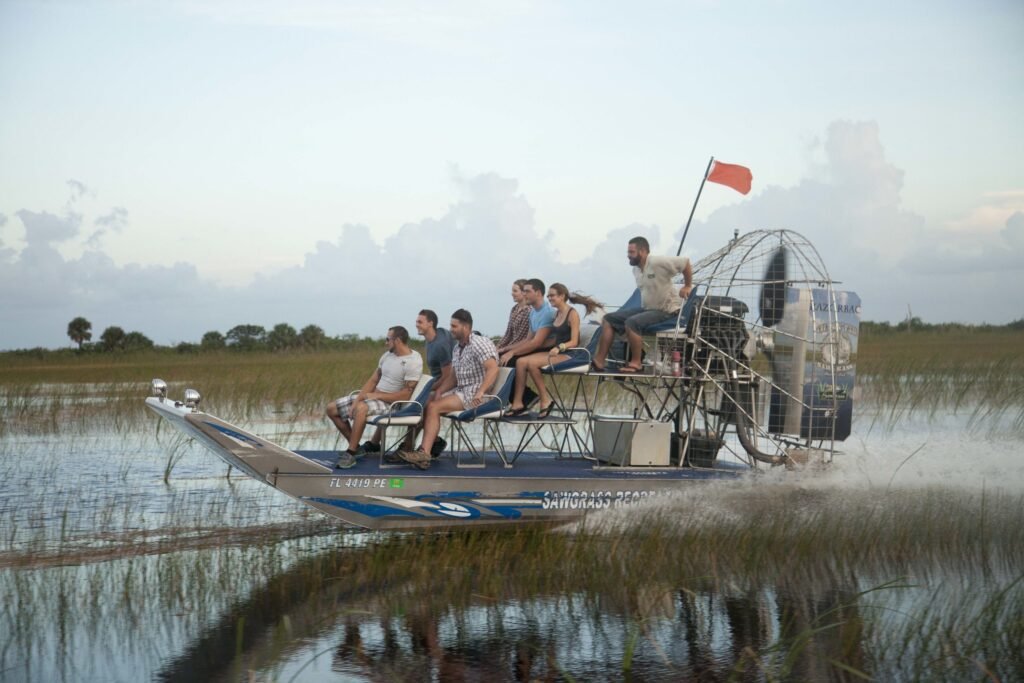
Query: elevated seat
x,y
408,414
490,411
580,357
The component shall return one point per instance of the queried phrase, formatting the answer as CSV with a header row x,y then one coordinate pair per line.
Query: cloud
x,y
78,189
114,221
849,206
43,228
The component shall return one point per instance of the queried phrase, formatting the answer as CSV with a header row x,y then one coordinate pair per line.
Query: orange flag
x,y
735,176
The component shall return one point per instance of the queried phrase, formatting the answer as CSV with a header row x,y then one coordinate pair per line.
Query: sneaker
x,y
392,458
370,447
438,448
418,458
345,460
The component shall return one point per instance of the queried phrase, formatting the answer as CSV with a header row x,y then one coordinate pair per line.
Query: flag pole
x,y
699,190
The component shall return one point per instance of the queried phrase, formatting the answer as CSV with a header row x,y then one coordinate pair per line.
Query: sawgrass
x,y
982,372
794,587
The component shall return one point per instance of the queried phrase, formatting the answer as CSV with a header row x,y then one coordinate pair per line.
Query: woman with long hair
x,y
518,319
565,334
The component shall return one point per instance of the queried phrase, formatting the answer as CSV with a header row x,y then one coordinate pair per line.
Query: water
x,y
110,573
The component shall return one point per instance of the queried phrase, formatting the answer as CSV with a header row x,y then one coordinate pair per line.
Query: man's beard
x,y
634,260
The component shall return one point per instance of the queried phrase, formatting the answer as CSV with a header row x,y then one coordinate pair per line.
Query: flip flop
x,y
631,369
595,367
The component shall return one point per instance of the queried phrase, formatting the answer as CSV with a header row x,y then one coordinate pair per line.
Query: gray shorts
x,y
373,407
635,319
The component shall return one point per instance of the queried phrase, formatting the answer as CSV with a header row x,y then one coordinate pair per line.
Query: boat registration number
x,y
366,483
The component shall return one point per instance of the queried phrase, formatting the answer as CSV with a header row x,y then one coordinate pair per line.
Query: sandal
x,y
545,412
595,367
515,412
631,369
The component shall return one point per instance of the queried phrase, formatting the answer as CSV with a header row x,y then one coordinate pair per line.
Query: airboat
x,y
756,372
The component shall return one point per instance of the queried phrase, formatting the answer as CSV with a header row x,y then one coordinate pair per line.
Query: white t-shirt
x,y
395,371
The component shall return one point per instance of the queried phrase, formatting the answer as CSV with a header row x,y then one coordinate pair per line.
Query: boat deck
x,y
530,465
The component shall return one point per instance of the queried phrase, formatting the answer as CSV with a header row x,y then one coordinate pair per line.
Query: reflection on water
x,y
298,627
901,562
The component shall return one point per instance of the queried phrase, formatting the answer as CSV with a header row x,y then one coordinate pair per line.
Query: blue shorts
x,y
635,319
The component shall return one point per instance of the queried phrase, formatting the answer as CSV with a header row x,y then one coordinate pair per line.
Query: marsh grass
x,y
887,582
637,595
981,373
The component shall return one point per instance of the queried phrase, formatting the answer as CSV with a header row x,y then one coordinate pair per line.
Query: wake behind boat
x,y
720,396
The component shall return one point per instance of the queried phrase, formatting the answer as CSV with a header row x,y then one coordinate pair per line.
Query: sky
x,y
179,166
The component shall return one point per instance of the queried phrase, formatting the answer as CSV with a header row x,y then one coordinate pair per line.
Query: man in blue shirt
x,y
542,320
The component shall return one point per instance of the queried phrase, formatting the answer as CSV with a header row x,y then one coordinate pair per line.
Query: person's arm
x,y
446,383
490,374
447,376
574,335
402,394
532,343
509,330
508,353
687,287
369,386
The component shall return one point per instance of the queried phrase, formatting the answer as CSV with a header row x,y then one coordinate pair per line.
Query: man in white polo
x,y
659,300
397,373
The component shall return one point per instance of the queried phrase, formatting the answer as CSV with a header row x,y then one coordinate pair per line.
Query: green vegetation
x,y
797,591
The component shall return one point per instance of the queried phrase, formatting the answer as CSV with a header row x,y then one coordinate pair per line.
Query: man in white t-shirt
x,y
397,373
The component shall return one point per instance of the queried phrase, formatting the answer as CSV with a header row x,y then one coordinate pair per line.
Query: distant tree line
x,y
915,324
283,337
242,338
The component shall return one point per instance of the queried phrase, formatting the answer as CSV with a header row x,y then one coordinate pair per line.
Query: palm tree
x,y
80,330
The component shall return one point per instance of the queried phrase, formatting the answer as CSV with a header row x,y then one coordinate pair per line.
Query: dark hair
x,y
400,333
538,285
577,298
430,316
463,316
641,243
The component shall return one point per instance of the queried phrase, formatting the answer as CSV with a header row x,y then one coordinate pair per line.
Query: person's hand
x,y
506,357
684,292
477,400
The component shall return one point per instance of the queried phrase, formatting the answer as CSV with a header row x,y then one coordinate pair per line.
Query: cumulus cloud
x,y
115,222
849,207
43,228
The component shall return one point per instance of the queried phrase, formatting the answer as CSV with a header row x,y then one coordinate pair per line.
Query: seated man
x,y
658,301
439,359
397,373
474,369
542,320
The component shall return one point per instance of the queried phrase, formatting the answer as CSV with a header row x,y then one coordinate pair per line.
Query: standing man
x,y
397,373
658,301
474,370
542,321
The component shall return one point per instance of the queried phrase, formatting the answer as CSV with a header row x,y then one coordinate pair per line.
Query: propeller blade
x,y
773,289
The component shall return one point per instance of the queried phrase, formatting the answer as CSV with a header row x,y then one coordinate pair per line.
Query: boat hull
x,y
541,488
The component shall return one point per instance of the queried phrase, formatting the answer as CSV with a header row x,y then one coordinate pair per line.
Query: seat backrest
x,y
633,301
503,384
420,394
423,388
